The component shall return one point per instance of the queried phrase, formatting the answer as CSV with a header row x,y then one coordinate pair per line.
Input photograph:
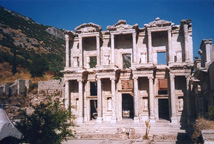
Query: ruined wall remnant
x,y
51,87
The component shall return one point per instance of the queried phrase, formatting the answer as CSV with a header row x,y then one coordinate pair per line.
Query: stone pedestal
x,y
99,119
136,119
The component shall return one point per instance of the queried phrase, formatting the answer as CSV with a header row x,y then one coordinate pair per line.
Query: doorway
x,y
93,111
163,109
127,106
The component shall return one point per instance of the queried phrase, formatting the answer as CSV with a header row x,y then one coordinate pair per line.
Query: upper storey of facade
x,y
158,44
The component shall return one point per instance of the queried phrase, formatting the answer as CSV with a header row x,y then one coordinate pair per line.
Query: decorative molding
x,y
159,23
121,25
88,27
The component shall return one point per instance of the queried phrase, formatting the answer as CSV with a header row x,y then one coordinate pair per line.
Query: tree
x,y
38,67
48,124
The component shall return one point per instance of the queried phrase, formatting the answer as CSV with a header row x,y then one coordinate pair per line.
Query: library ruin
x,y
129,72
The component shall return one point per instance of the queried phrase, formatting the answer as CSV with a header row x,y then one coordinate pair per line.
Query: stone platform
x,y
127,129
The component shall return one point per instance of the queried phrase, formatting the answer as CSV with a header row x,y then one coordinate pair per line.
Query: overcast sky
x,y
68,14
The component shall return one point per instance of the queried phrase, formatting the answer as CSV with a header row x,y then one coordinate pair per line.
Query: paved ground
x,y
107,141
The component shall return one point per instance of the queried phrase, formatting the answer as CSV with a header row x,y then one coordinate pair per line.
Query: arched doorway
x,y
127,106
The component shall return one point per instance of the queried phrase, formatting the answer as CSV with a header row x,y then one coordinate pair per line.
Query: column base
x,y
113,120
152,120
85,119
79,120
99,120
136,120
174,120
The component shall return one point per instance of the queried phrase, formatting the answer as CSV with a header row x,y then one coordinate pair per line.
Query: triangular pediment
x,y
88,27
121,25
159,23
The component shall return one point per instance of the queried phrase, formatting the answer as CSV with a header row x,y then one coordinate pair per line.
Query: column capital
x,y
135,77
66,37
169,30
188,76
112,35
80,80
98,78
149,33
113,78
172,76
80,36
66,81
150,77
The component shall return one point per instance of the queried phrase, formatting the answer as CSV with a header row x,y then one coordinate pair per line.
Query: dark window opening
x,y
93,62
127,106
163,109
162,92
93,111
93,88
126,61
161,58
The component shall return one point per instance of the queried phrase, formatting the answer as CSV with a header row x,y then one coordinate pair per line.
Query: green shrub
x,y
210,113
48,124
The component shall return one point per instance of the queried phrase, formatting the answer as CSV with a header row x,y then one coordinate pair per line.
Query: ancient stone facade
x,y
202,83
129,72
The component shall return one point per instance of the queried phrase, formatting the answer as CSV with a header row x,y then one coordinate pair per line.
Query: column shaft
x,y
150,46
186,42
112,49
189,112
80,108
136,101
81,52
67,50
99,100
134,47
113,101
151,99
98,50
67,94
173,99
170,50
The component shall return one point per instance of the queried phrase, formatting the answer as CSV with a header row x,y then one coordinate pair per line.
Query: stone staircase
x,y
127,129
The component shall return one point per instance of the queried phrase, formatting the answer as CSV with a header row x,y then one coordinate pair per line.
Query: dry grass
x,y
6,76
201,124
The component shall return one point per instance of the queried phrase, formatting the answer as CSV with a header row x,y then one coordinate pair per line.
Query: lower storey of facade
x,y
135,95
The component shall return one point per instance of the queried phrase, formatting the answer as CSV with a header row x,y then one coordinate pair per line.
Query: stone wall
x,y
18,87
51,87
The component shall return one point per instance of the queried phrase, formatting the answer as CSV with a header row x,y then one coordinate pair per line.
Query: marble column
x,y
136,100
112,49
81,52
186,42
86,105
134,47
67,51
150,46
80,108
67,94
173,99
170,50
151,100
98,49
113,100
188,103
99,100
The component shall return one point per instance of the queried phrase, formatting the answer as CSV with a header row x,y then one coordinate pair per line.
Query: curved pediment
x,y
159,23
87,28
121,25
